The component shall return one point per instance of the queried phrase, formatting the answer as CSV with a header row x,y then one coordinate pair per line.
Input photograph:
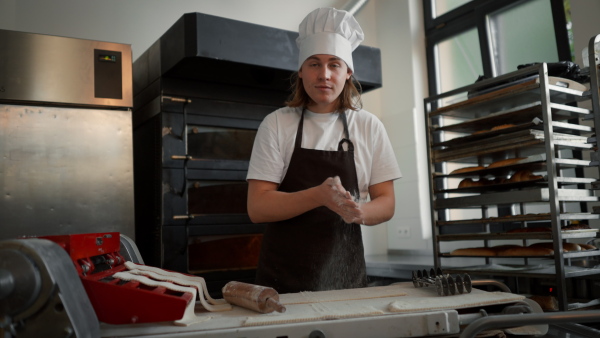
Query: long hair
x,y
349,97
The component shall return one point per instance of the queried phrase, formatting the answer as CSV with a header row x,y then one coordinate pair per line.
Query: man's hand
x,y
340,201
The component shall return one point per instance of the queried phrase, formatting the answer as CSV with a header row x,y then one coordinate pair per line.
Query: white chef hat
x,y
329,31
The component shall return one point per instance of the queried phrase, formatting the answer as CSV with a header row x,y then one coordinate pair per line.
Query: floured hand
x,y
337,199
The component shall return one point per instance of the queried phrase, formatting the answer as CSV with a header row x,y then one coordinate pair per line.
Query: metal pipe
x,y
354,6
505,321
579,329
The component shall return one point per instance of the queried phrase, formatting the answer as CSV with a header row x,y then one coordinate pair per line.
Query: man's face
x,y
324,77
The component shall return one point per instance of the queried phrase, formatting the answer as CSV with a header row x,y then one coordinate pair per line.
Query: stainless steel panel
x,y
45,68
65,171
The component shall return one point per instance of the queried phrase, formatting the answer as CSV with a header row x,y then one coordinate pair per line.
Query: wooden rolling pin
x,y
253,297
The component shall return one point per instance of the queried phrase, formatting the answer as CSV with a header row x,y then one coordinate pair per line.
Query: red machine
x,y
96,257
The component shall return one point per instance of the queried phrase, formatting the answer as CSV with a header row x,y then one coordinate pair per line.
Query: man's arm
x,y
380,208
267,204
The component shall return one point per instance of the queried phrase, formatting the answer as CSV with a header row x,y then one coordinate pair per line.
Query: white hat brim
x,y
326,43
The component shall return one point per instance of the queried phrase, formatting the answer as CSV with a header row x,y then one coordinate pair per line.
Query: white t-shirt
x,y
274,144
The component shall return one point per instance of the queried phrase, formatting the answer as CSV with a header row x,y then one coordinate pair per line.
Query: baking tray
x,y
533,163
511,197
514,96
508,141
497,186
520,218
522,184
540,271
534,124
570,254
583,233
526,113
503,257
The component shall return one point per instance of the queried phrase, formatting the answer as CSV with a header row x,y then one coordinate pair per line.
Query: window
x,y
460,58
522,33
444,6
467,39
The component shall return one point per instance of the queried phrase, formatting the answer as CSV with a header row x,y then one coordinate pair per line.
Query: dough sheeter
x,y
67,286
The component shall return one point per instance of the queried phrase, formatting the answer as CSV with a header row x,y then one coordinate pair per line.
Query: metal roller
x,y
41,294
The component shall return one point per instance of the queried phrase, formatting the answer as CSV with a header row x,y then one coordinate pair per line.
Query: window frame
x,y
474,15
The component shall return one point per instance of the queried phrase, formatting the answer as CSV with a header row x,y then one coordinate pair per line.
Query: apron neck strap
x,y
347,133
298,143
299,131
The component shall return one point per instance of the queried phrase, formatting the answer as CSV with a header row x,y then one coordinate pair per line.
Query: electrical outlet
x,y
403,231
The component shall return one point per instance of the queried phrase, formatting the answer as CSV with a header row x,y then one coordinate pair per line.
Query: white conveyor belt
x,y
390,311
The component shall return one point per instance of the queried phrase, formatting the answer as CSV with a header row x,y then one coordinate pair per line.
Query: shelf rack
x,y
536,118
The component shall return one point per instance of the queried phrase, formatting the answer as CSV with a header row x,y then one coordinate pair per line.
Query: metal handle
x,y
182,157
176,99
176,217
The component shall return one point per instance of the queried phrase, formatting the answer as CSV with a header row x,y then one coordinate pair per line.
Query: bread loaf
x,y
536,229
502,126
576,226
520,176
547,303
479,251
505,162
480,132
468,183
466,169
500,248
526,251
570,247
567,247
547,245
523,176
587,247
500,180
483,251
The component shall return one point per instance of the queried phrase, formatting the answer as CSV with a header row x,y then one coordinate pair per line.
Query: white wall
x,y
586,25
387,25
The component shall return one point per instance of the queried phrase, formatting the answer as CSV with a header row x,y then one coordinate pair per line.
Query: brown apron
x,y
316,250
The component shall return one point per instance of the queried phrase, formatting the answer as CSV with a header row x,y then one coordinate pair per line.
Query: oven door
x,y
195,196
